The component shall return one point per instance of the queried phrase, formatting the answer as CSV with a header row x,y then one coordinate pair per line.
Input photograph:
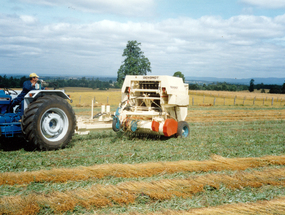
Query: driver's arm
x,y
27,86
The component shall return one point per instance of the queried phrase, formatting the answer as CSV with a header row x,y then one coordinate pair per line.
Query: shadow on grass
x,y
139,136
13,144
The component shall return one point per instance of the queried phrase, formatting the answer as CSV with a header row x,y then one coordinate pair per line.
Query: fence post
x,y
193,101
203,99
263,101
254,100
94,100
92,109
79,99
272,101
214,101
224,100
244,100
235,100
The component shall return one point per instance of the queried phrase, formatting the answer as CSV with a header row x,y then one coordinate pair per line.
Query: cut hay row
x,y
127,192
234,115
275,206
138,170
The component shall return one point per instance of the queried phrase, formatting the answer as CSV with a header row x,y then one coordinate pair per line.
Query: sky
x,y
200,38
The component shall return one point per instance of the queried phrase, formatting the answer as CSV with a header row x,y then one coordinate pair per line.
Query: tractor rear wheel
x,y
49,123
183,129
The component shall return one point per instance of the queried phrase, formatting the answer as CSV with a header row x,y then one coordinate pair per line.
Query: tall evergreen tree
x,y
283,88
135,62
251,85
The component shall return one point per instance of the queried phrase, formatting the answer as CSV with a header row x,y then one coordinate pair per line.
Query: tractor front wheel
x,y
49,123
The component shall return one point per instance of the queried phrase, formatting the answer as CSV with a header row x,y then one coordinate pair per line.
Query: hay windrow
x,y
127,192
217,163
275,206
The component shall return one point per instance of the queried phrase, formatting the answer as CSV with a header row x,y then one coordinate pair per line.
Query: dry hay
x,y
240,94
234,115
88,105
275,206
138,170
235,98
85,98
128,192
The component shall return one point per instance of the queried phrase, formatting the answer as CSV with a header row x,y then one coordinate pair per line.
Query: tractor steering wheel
x,y
10,91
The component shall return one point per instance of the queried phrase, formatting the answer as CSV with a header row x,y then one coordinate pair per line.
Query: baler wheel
x,y
116,124
49,123
183,129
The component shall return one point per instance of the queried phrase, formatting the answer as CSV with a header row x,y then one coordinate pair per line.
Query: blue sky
x,y
205,38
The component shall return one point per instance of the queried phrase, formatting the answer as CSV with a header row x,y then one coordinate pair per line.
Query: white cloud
x,y
28,19
266,3
121,7
242,46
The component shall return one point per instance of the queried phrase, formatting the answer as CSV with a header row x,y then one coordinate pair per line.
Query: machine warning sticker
x,y
150,77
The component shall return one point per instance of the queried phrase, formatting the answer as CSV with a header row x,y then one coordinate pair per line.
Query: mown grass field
x,y
233,161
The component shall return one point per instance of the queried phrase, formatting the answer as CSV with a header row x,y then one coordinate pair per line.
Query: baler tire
x,y
114,124
183,129
49,123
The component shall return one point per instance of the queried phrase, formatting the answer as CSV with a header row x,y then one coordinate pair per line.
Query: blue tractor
x,y
44,118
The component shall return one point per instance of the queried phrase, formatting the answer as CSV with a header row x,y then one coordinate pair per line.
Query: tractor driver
x,y
27,86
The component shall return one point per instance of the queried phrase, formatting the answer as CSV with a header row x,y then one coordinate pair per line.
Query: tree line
x,y
273,88
218,86
14,82
82,82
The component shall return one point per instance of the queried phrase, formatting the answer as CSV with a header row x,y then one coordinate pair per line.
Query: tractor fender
x,y
35,94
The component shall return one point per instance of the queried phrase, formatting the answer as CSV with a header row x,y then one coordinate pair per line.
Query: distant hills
x,y
200,80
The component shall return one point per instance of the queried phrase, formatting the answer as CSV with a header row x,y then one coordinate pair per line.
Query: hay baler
x,y
153,105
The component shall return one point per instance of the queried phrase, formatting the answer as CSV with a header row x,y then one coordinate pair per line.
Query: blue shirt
x,y
27,87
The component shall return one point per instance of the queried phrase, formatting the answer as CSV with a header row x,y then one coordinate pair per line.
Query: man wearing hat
x,y
27,86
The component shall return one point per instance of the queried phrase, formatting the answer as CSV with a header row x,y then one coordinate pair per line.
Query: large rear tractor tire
x,y
183,129
49,123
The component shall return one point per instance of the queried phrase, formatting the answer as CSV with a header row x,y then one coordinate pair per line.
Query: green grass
x,y
228,139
